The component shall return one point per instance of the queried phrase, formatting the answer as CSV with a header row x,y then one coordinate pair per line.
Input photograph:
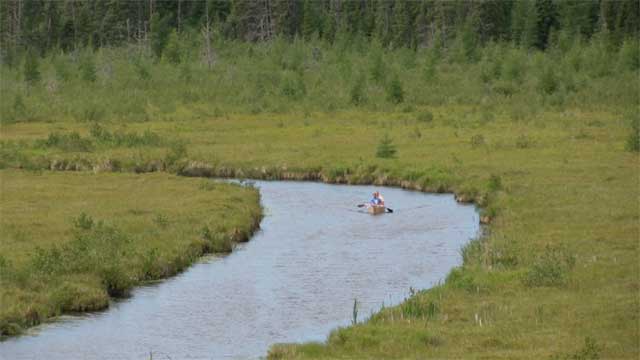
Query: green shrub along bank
x,y
53,262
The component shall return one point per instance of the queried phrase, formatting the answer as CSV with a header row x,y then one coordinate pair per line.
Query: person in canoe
x,y
376,205
377,199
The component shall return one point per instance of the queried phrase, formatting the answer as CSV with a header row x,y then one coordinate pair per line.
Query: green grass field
x,y
69,240
556,274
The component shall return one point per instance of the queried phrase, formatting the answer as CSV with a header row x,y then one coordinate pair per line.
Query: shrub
x,y
358,93
83,222
150,264
378,68
177,152
523,142
142,70
548,82
590,351
477,140
115,280
161,220
425,117
418,307
395,93
386,149
630,55
172,51
128,139
293,86
460,278
70,142
31,71
551,268
88,71
19,109
495,183
62,69
633,140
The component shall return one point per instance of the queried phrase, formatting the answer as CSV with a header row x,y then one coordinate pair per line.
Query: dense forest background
x,y
70,24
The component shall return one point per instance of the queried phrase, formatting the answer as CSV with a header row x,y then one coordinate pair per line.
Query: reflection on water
x,y
294,281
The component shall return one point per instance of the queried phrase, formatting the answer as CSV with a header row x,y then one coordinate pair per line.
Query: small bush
x,y
590,351
83,222
630,55
19,109
633,140
31,71
378,68
88,71
425,117
551,268
395,93
495,183
419,307
63,73
178,151
548,83
524,142
459,278
161,220
115,280
386,149
150,264
128,139
293,86
358,93
66,142
142,70
477,140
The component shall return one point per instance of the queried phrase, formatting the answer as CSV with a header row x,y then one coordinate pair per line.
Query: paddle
x,y
389,210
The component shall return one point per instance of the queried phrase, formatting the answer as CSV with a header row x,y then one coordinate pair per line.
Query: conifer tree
x,y
31,71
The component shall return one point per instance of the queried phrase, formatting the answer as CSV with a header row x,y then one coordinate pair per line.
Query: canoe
x,y
375,210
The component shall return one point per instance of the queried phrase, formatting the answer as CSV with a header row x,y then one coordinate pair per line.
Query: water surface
x,y
294,281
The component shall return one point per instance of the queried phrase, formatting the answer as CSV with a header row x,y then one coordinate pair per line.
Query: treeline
x,y
42,25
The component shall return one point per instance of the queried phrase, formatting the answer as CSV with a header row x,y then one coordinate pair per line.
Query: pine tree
x,y
358,91
386,149
402,24
31,72
173,52
88,68
546,19
395,93
160,31
310,17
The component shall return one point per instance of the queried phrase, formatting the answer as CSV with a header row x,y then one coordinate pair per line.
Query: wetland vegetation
x,y
539,129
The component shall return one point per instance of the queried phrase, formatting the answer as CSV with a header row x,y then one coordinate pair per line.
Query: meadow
x,y
544,143
70,241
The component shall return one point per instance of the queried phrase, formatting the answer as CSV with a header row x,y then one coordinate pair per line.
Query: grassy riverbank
x,y
71,240
557,274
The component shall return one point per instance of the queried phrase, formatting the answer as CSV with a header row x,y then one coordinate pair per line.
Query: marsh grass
x,y
551,189
73,260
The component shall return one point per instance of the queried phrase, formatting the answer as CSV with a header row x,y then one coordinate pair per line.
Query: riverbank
x,y
556,274
70,241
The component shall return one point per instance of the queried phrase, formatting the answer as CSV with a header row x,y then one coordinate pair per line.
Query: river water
x,y
295,280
